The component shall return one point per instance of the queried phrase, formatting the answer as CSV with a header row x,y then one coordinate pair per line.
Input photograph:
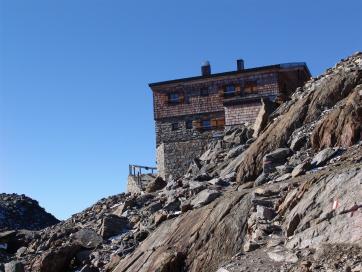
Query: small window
x,y
188,124
174,98
229,90
204,92
250,86
206,124
175,126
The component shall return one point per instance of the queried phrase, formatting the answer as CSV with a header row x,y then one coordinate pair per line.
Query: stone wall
x,y
165,133
137,184
175,158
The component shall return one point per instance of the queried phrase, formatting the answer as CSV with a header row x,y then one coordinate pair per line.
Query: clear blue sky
x,y
75,107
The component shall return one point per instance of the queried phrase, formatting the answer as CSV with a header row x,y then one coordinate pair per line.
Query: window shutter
x,y
182,97
213,123
196,124
221,92
221,122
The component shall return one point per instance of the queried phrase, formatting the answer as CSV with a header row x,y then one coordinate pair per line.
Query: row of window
x,y
228,90
204,124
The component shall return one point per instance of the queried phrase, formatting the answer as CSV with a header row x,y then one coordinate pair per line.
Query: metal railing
x,y
136,170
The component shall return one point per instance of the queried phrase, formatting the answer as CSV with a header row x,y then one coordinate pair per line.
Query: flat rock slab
x,y
323,156
205,197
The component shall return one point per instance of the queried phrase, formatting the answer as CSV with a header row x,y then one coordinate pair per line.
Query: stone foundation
x,y
175,158
137,184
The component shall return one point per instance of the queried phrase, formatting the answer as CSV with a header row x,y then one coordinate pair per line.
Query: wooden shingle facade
x,y
191,112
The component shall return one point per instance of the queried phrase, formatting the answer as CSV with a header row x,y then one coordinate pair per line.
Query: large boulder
x,y
113,225
157,184
267,107
87,238
342,126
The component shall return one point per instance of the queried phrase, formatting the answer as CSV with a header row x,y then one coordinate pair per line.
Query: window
x,y
206,124
204,92
189,124
175,126
174,98
229,90
218,122
250,86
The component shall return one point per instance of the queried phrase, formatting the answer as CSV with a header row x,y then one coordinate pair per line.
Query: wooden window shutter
x,y
221,122
196,124
182,97
221,92
213,122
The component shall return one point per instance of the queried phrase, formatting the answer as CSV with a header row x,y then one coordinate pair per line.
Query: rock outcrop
x,y
22,212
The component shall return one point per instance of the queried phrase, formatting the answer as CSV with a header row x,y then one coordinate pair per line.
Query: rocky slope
x,y
287,198
22,212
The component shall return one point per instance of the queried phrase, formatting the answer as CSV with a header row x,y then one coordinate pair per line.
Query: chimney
x,y
206,69
240,64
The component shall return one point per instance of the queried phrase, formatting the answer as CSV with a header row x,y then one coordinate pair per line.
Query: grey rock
x,y
87,238
88,268
265,213
263,178
196,186
20,252
281,255
250,246
157,184
202,177
205,197
323,156
275,158
283,177
14,266
172,205
267,107
300,169
113,225
218,182
154,207
298,142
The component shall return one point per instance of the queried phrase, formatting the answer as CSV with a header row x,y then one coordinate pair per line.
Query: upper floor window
x,y
174,98
250,86
206,124
229,90
204,92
